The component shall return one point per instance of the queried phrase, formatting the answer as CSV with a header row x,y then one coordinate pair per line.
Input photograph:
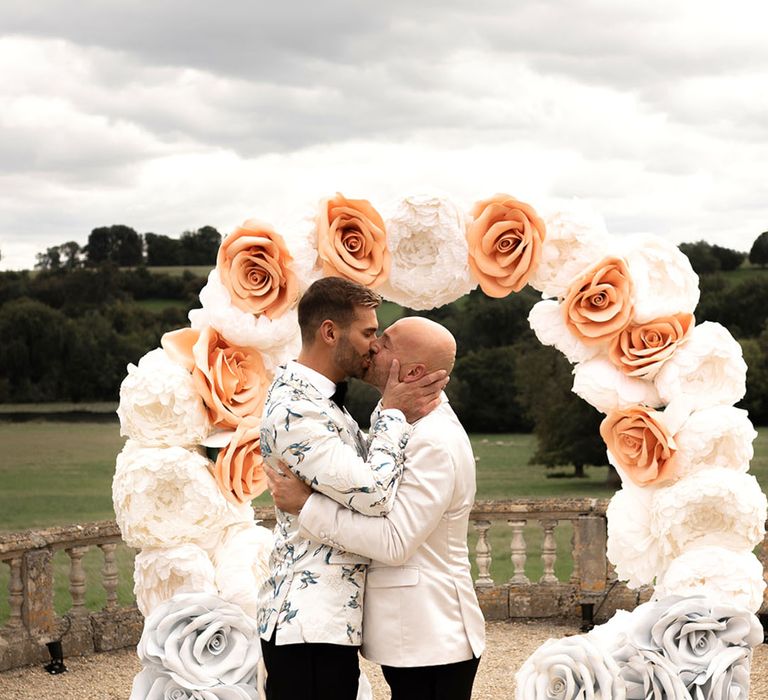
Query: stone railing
x,y
591,588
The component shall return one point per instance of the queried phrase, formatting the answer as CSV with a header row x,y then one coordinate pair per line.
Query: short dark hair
x,y
335,299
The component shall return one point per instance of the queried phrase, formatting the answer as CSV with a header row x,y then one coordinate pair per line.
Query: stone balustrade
x,y
590,588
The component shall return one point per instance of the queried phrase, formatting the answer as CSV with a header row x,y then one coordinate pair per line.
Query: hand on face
x,y
288,491
414,397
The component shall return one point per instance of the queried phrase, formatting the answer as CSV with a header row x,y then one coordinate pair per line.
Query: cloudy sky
x,y
168,116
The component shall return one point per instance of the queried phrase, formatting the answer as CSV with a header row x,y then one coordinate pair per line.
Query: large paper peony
x,y
576,239
161,573
159,405
352,241
202,642
277,339
721,574
166,496
429,254
714,506
504,242
255,267
599,303
547,322
231,380
603,386
707,369
640,443
241,561
569,669
239,468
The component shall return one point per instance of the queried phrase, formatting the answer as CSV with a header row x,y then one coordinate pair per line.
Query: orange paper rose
x,y
232,381
352,241
598,305
255,267
239,468
641,349
504,242
641,444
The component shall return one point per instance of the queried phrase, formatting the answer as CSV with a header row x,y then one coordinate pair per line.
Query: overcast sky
x,y
167,116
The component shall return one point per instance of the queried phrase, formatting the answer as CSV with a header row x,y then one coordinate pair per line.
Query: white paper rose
x,y
727,678
202,641
707,369
720,436
649,674
159,574
568,669
166,496
427,241
241,561
664,281
715,506
603,386
159,405
723,575
153,683
632,548
278,340
576,239
546,321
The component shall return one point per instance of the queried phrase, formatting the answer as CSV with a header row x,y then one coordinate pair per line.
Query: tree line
x,y
123,246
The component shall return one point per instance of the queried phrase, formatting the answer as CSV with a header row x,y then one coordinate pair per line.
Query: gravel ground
x,y
108,676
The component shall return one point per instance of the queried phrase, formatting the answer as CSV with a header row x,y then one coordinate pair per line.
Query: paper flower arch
x,y
619,308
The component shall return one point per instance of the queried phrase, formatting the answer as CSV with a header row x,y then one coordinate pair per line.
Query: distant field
x,y
177,271
745,272
161,304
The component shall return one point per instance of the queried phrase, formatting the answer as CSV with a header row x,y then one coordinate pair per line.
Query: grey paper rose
x,y
650,676
202,641
727,677
155,684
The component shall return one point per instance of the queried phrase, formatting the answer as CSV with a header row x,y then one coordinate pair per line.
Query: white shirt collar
x,y
324,385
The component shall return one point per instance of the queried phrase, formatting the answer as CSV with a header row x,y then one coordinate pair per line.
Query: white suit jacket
x,y
420,607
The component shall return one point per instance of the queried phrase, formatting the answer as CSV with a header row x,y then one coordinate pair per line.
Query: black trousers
x,y
310,671
446,682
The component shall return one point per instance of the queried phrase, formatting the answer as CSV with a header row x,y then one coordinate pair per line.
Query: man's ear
x,y
328,332
414,372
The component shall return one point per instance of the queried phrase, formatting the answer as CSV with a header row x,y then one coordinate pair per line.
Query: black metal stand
x,y
56,665
587,616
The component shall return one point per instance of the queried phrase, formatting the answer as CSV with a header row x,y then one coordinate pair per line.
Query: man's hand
x,y
288,491
414,398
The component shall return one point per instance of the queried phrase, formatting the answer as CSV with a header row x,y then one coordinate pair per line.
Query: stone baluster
x,y
109,574
575,546
519,555
16,593
77,580
548,552
483,553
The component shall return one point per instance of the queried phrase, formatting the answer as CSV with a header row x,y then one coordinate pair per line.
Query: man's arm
x,y
422,498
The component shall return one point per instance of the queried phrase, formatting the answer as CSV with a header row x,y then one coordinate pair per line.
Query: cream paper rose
x,y
715,506
601,385
707,369
153,683
231,380
504,242
576,239
278,340
202,642
632,548
239,468
161,573
720,436
255,267
721,574
241,561
352,241
427,240
159,405
569,669
640,442
664,281
599,304
166,496
641,349
546,321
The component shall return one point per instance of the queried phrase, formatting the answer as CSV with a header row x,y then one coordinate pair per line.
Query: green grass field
x,y
61,473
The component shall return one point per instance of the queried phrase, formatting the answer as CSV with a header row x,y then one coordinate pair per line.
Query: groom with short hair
x,y
421,620
310,607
